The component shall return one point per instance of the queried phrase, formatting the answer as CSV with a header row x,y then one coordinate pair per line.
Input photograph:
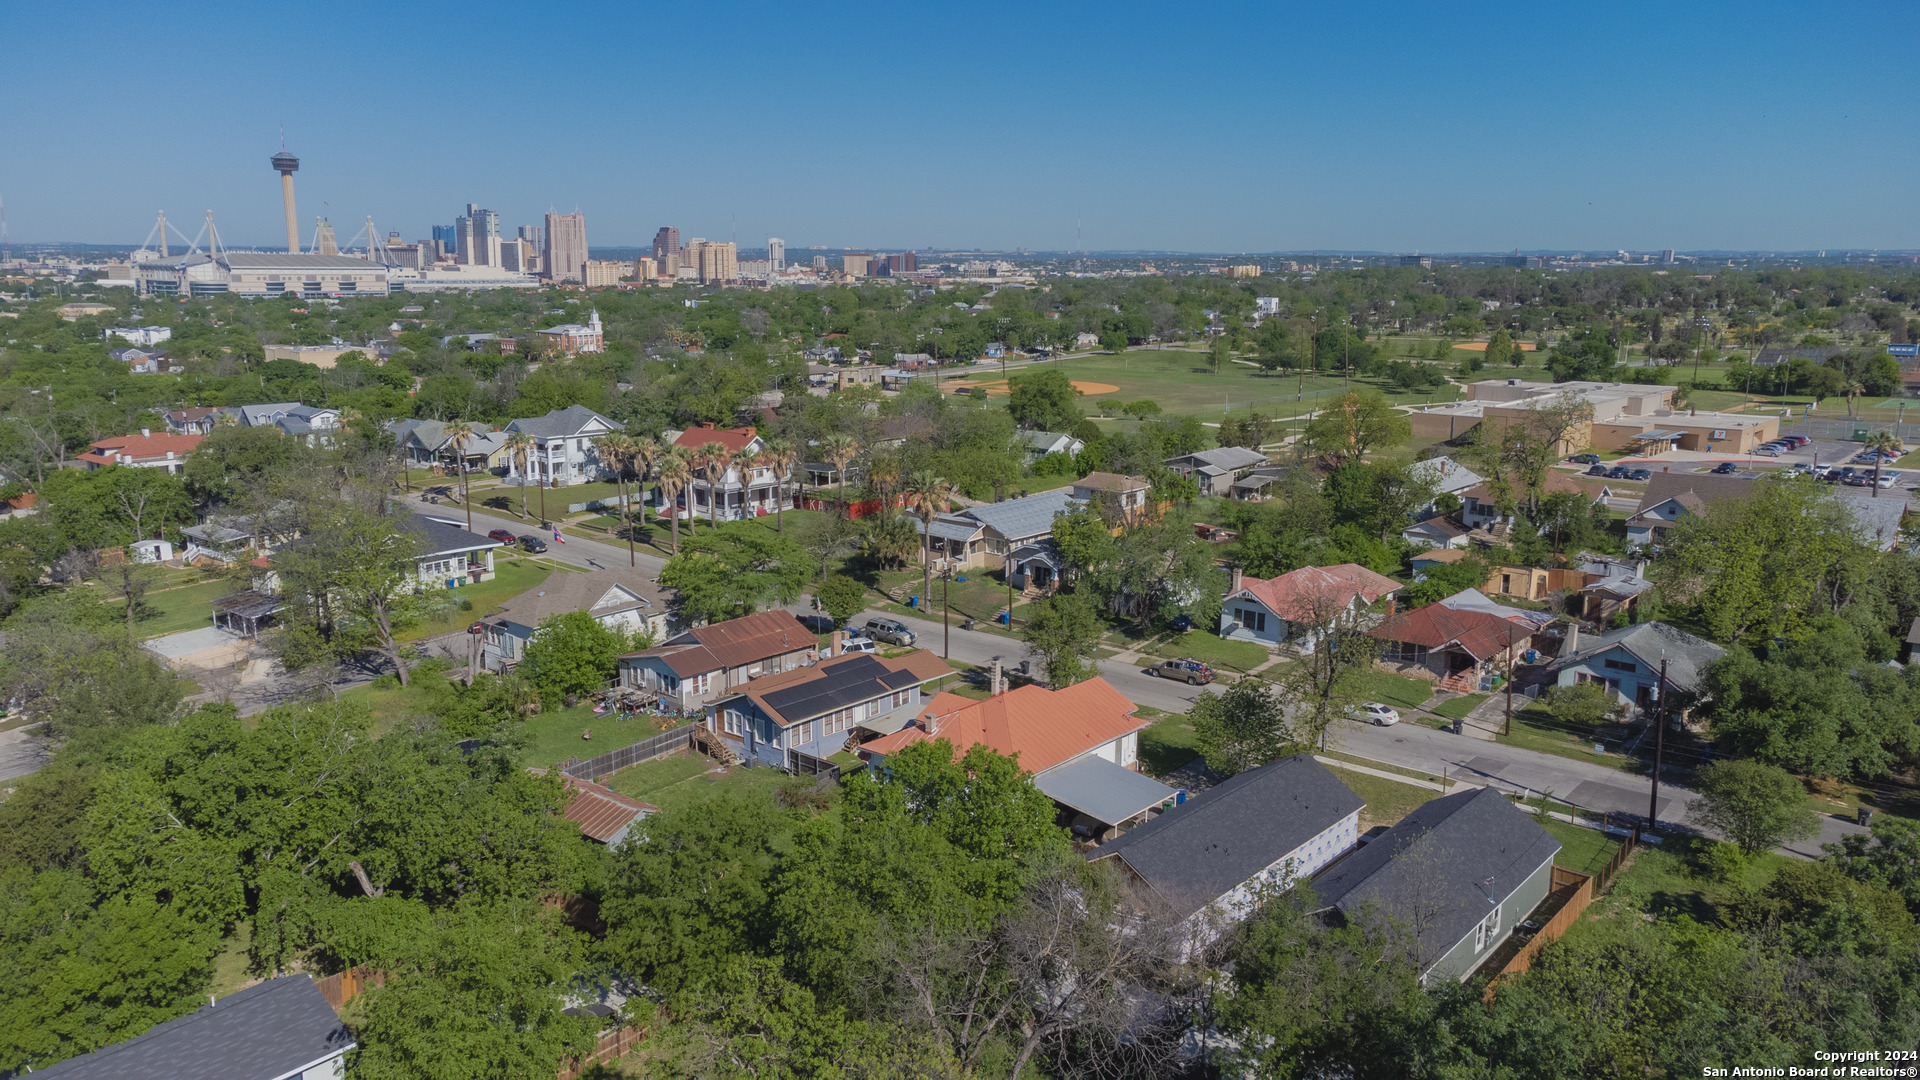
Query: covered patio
x,y
244,613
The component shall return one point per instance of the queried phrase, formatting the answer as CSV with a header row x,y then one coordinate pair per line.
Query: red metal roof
x,y
1436,626
735,643
602,813
734,439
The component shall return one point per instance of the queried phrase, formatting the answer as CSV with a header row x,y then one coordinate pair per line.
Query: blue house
x,y
1627,662
1300,606
815,709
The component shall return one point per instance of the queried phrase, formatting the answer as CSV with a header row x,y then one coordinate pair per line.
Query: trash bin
x,y
1005,618
1866,816
913,602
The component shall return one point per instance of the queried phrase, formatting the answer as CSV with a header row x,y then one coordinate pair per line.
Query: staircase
x,y
1466,682
714,747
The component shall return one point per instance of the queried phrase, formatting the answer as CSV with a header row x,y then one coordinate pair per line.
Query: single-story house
x,y
1435,557
1445,642
280,1029
818,710
1672,497
1300,605
1447,476
704,663
622,600
986,535
1438,532
1480,504
1627,662
1213,859
602,813
1036,566
146,450
1038,444
1081,743
1215,470
1460,872
449,554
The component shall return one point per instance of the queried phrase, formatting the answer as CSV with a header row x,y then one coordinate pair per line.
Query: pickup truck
x,y
1191,672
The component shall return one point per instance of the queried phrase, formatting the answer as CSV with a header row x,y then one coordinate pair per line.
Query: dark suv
x,y
532,544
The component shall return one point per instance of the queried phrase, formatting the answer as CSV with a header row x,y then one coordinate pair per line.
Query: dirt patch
x,y
1481,346
999,387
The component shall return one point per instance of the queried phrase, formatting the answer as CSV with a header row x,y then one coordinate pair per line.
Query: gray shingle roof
x,y
1442,868
268,1030
562,593
1018,519
1687,656
255,415
440,538
1194,854
562,422
1224,457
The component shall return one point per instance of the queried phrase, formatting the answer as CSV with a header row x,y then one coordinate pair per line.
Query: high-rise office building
x,y
854,265
535,235
478,237
513,254
776,253
718,263
566,254
600,273
1666,257
447,239
666,242
690,257
819,262
904,263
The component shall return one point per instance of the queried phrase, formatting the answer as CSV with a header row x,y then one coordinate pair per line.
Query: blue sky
x,y
1199,127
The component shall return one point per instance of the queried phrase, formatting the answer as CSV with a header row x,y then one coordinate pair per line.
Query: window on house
x,y
1488,931
730,721
702,682
1251,618
1621,665
800,734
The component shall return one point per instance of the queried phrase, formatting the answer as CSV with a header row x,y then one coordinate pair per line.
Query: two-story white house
x,y
563,451
744,490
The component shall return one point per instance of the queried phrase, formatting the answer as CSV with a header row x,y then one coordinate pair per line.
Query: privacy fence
x,y
633,754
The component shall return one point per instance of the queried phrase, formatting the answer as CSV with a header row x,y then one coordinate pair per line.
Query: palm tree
x,y
781,457
883,472
458,436
715,462
840,450
1853,390
520,449
614,450
674,476
1882,443
926,496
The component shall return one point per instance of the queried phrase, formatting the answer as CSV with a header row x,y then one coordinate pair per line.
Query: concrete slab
x,y
189,642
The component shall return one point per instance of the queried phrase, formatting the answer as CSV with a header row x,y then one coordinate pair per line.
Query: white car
x,y
857,644
1377,714
1889,477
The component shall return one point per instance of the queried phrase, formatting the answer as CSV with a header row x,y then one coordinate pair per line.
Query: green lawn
x,y
1535,729
1671,879
687,779
556,734
1212,650
1583,849
174,610
1387,800
1167,745
511,577
1184,384
1401,691
1458,708
1415,774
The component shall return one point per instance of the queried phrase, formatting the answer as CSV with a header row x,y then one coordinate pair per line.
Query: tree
x,y
1354,423
570,653
520,446
840,449
1243,728
1442,580
231,461
780,456
674,476
842,596
352,584
1754,805
1500,348
1889,857
735,569
926,496
131,579
1063,631
1883,443
484,988
1043,400
1582,705
713,461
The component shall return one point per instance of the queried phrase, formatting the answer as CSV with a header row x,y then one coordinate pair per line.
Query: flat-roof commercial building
x,y
1625,416
261,273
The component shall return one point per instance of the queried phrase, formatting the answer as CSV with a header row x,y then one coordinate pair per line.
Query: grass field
x,y
687,779
1583,849
1670,879
1212,650
1400,691
1458,708
1167,745
1387,801
1535,729
173,610
511,577
555,734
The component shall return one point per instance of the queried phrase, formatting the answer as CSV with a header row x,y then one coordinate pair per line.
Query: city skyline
x,y
1640,128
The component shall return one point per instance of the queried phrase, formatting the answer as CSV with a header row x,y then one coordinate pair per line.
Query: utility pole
x,y
946,615
1508,729
1659,743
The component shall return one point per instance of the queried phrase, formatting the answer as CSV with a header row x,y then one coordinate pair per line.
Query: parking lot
x,y
1838,453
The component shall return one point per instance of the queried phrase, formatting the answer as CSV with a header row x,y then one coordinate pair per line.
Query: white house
x,y
745,490
563,451
144,336
1300,605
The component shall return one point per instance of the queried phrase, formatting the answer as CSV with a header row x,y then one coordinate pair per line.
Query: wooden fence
x,y
800,764
344,986
1575,891
632,754
614,1043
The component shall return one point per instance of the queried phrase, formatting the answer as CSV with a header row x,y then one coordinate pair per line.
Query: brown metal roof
x,y
734,643
602,813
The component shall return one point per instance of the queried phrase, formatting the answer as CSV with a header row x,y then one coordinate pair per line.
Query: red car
x,y
505,536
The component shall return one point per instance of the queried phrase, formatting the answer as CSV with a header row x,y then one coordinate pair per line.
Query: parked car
x,y
532,544
1796,440
1191,672
1181,623
1585,459
1858,480
505,536
1725,468
1889,477
1619,472
1805,468
891,631
1597,470
1376,714
858,644
1640,474
1820,468
1769,450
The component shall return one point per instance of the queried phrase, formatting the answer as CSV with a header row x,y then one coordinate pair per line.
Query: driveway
x,y
22,751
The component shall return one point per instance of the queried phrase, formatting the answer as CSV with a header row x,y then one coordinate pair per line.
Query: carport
x,y
1096,788
1660,440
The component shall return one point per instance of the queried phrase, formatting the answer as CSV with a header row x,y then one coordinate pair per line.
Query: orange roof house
x,y
146,450
1042,728
734,439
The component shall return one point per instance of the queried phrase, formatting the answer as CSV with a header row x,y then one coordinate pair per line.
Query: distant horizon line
x,y
1135,253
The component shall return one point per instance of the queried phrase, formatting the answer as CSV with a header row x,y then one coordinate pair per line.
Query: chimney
x,y
1572,645
994,679
146,433
1233,579
836,642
